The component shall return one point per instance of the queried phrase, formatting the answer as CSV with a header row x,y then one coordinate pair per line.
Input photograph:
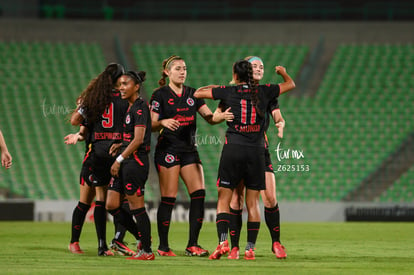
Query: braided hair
x,y
166,64
243,69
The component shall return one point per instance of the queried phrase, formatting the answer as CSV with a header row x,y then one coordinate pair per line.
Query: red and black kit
x,y
243,155
176,147
106,130
134,169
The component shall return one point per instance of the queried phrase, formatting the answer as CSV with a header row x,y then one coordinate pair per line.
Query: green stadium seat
x,y
46,78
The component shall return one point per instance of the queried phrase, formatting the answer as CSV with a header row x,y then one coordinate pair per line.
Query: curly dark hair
x,y
96,97
243,69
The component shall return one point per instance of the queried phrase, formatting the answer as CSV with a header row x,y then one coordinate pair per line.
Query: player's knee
x,y
111,205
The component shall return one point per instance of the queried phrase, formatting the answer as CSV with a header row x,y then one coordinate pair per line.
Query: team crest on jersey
x,y
155,105
169,158
190,101
92,180
128,119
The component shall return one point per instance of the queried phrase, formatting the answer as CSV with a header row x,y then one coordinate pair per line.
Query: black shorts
x,y
268,161
87,176
116,185
168,160
240,162
133,174
96,167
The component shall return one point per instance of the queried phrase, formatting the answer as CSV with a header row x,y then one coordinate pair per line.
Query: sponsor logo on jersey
x,y
128,119
190,101
169,158
155,105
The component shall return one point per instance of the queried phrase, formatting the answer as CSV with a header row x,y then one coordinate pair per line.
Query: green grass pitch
x,y
313,248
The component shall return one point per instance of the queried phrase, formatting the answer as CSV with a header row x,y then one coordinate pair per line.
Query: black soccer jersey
x,y
138,115
109,125
168,104
247,127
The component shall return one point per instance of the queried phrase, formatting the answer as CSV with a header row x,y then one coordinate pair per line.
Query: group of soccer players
x,y
116,125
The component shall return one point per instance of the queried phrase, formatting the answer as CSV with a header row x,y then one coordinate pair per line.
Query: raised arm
x,y
289,84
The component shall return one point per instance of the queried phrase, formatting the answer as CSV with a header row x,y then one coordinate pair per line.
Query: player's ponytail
x,y
253,88
137,77
166,65
244,71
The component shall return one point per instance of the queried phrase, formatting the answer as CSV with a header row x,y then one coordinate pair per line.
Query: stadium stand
x,y
402,190
360,114
39,85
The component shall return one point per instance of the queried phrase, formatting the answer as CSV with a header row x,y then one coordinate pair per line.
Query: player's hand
x,y
114,149
170,124
6,159
73,138
228,115
280,69
280,126
115,169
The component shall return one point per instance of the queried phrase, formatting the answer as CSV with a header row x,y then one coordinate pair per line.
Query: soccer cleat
x,y
166,253
143,256
221,250
279,250
104,251
249,254
75,248
234,253
196,251
121,248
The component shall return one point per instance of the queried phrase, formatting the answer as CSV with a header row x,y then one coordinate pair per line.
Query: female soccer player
x,y
243,154
131,167
173,111
271,207
6,158
101,111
